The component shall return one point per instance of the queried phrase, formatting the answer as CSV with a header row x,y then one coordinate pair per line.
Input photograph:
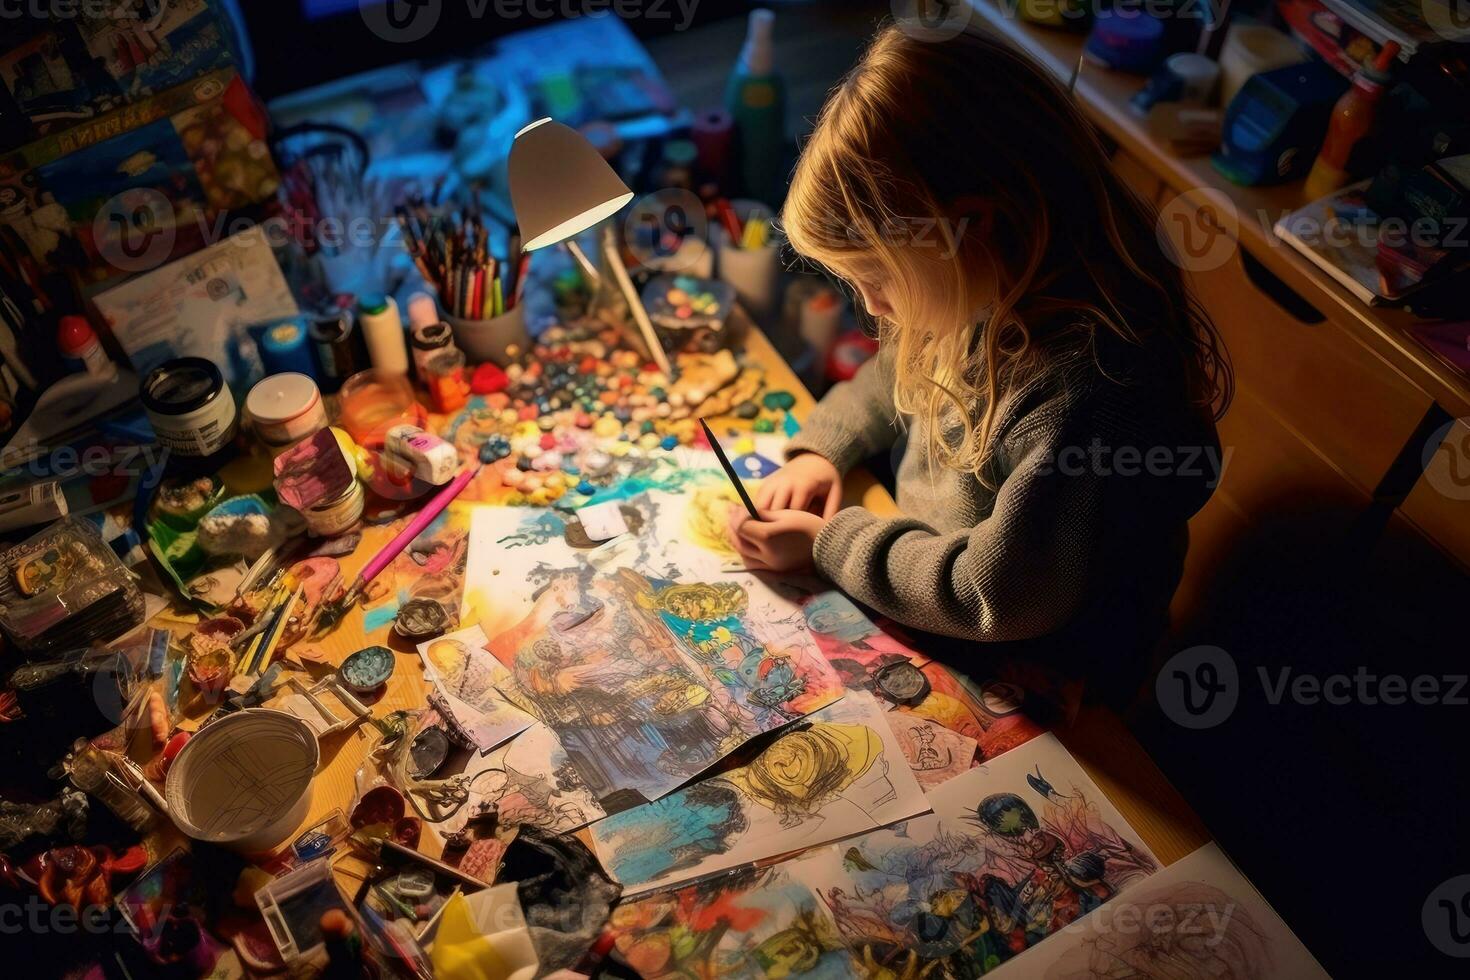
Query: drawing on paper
x,y
1016,851
1198,919
935,753
647,682
529,781
835,774
433,566
465,678
750,925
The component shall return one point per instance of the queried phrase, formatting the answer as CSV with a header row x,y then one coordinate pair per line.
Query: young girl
x,y
1043,381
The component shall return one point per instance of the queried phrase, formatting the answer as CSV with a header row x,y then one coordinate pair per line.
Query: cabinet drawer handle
x,y
1290,301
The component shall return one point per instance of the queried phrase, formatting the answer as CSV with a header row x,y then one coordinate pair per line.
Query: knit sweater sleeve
x,y
853,421
1021,572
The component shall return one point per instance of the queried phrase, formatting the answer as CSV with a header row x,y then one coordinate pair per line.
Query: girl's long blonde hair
x,y
964,175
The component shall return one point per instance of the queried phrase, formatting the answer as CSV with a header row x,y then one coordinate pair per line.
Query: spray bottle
x,y
1352,122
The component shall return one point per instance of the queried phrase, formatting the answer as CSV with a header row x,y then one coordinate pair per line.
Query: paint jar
x,y
427,341
338,515
382,328
190,406
372,402
449,389
340,349
285,409
284,347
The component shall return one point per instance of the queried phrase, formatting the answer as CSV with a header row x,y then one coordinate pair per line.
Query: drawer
x,y
1342,399
1274,477
1438,506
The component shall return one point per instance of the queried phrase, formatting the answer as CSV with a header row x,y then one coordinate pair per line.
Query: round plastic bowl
x,y
244,782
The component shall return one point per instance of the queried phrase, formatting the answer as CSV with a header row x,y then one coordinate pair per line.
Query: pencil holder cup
x,y
753,272
489,340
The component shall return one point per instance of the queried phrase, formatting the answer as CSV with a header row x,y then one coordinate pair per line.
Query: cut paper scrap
x,y
838,773
464,676
1015,851
526,782
1198,919
750,925
935,754
991,713
648,682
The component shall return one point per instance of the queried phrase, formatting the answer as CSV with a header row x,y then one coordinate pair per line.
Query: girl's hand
x,y
809,482
782,542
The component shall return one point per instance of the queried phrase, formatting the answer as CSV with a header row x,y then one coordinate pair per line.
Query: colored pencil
x,y
730,471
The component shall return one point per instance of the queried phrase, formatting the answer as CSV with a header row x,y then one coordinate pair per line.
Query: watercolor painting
x,y
647,682
751,925
1198,919
1016,850
837,773
431,567
465,678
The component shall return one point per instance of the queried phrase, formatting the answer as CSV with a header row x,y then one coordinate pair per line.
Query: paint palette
x,y
367,670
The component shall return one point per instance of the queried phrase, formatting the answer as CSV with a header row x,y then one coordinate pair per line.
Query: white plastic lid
x,y
281,397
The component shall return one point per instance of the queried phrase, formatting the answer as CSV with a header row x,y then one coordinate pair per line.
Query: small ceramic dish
x,y
367,670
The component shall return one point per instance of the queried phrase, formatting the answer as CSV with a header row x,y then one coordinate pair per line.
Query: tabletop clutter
x,y
422,651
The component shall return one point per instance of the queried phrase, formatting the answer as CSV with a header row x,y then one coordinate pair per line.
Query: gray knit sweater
x,y
1080,544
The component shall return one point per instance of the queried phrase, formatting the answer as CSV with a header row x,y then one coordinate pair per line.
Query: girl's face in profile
x,y
871,283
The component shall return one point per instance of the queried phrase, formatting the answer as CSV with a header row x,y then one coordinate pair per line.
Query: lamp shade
x,y
559,184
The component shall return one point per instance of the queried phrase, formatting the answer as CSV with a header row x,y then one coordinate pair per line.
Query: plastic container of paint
x,y
285,409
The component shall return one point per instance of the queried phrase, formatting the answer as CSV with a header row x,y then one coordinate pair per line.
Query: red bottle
x,y
1352,121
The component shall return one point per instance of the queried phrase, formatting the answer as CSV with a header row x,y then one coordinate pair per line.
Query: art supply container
x,y
190,406
1197,76
449,388
1251,49
64,587
753,272
285,409
492,339
427,340
244,781
688,313
340,350
372,402
338,515
284,347
382,329
92,773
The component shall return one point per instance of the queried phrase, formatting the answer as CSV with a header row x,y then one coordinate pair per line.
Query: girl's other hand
x,y
781,542
809,482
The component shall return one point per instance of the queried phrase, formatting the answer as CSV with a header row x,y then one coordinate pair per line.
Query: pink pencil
x,y
416,526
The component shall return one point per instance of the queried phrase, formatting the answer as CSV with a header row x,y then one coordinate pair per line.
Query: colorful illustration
x,y
431,567
1198,919
990,713
747,926
1016,851
837,773
465,675
647,682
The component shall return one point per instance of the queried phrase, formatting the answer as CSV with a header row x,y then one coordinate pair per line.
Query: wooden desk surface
x,y
1098,739
1104,96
